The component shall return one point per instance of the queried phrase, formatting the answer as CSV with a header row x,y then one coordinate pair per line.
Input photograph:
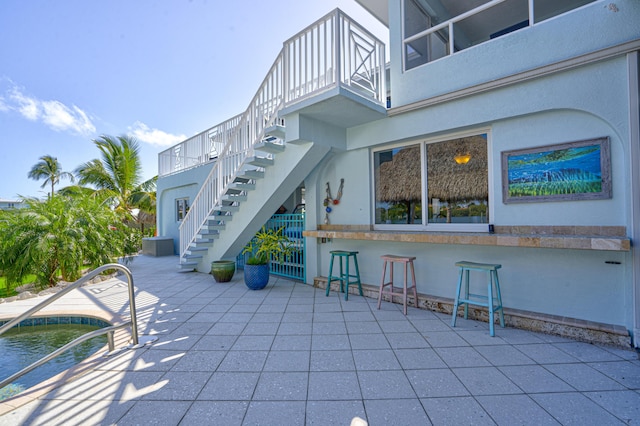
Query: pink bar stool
x,y
397,291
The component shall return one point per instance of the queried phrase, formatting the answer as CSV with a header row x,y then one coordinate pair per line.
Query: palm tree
x,y
60,236
49,168
117,176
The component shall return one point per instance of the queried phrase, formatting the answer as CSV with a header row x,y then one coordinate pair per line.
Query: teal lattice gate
x,y
293,225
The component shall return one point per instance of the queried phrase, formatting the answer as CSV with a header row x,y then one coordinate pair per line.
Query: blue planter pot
x,y
256,277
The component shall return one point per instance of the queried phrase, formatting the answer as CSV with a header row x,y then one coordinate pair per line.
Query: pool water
x,y
21,347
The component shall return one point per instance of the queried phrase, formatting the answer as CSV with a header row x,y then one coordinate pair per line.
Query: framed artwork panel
x,y
570,171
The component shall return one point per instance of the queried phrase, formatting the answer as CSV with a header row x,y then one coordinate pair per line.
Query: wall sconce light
x,y
462,158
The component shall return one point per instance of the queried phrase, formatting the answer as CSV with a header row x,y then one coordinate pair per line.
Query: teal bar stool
x,y
492,301
345,276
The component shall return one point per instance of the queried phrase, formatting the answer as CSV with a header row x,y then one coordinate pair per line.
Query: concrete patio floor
x,y
288,355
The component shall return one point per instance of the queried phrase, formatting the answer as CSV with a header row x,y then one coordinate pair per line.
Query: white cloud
x,y
54,114
60,117
144,133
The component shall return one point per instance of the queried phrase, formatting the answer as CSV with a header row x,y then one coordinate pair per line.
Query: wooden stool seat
x,y
344,277
492,301
397,291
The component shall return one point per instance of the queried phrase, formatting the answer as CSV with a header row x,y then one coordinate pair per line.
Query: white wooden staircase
x,y
257,167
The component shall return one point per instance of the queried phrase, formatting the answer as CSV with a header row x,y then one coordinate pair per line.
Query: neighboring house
x,y
487,99
10,204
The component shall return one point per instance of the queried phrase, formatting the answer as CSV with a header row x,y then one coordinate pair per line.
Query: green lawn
x,y
5,292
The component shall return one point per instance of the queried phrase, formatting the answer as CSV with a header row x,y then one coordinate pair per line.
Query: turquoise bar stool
x,y
345,276
492,301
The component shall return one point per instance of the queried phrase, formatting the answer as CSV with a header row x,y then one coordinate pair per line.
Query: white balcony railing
x,y
333,51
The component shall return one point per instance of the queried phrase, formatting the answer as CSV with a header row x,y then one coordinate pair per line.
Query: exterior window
x,y
434,29
424,49
451,175
457,180
398,185
182,208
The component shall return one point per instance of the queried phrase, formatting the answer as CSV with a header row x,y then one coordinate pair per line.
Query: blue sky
x,y
161,71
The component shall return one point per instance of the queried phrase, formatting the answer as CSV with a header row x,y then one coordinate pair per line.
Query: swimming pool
x,y
35,338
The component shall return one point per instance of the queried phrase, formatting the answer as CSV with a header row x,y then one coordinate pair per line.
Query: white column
x,y
633,60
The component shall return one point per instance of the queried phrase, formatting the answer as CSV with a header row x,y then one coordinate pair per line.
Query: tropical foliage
x,y
49,169
85,225
117,177
60,236
269,244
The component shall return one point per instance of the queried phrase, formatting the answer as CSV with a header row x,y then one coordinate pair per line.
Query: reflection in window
x,y
398,185
456,182
182,208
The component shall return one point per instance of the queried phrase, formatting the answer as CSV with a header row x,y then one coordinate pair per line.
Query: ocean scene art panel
x,y
571,171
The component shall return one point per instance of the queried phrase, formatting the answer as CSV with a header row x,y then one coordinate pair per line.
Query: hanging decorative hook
x,y
329,200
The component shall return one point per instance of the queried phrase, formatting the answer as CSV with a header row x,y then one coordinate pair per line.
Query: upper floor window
x,y
182,208
439,184
433,29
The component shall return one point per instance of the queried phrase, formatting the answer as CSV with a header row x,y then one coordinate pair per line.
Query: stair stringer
x,y
290,168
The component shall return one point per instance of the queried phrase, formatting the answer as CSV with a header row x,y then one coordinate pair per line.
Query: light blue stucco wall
x,y
586,101
587,29
170,188
583,103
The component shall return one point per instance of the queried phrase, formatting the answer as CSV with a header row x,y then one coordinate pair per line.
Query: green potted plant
x,y
267,245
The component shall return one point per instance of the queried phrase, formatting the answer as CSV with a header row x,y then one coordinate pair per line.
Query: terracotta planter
x,y
223,270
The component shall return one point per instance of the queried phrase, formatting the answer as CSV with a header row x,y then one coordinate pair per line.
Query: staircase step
x,y
219,218
259,161
232,209
239,186
275,131
234,198
200,242
251,174
188,266
207,235
192,256
242,179
193,249
214,227
270,147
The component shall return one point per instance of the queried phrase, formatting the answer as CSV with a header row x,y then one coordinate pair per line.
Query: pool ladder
x,y
109,331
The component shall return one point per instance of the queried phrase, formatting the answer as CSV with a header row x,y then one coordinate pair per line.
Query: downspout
x,y
633,61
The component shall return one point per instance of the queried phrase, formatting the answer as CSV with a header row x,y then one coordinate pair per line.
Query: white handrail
x,y
106,330
241,138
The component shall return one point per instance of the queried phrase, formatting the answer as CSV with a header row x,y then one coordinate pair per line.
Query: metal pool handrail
x,y
106,330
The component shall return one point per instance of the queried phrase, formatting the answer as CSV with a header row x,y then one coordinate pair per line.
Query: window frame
x,y
425,225
177,208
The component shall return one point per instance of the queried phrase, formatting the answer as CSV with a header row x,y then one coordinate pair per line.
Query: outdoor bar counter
x,y
605,238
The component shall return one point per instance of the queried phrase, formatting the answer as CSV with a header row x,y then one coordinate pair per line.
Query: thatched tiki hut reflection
x,y
400,182
456,172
